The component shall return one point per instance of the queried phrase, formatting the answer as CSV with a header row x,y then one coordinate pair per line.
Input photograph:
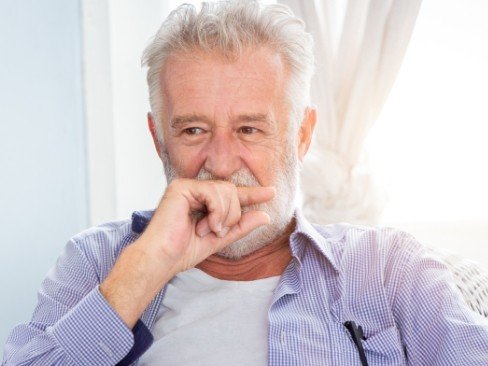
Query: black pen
x,y
358,337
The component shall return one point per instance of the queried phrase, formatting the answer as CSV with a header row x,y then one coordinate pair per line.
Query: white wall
x,y
125,171
139,173
43,198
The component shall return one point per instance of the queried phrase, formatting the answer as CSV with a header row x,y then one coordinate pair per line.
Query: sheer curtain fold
x,y
359,46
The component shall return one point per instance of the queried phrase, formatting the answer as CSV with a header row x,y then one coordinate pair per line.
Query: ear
x,y
306,131
151,124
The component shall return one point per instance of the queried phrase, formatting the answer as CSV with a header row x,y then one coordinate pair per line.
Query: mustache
x,y
240,178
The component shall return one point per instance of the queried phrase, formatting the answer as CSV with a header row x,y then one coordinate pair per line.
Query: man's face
x,y
229,120
225,116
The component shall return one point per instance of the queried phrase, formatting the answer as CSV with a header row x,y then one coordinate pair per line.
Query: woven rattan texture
x,y
470,278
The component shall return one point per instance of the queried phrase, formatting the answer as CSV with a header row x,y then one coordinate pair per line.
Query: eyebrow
x,y
253,117
193,117
188,118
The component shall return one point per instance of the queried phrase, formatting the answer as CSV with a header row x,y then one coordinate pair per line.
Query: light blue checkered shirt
x,y
381,278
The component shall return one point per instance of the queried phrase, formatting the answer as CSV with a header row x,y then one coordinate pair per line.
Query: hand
x,y
175,232
175,240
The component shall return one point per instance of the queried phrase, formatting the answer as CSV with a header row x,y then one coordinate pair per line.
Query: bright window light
x,y
429,148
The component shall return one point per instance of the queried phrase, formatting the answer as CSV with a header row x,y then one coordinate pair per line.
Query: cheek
x,y
263,164
186,161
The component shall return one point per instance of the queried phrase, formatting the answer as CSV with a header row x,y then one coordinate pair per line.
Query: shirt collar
x,y
321,241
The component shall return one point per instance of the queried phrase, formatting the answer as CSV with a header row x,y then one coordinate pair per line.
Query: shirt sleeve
x,y
436,324
72,324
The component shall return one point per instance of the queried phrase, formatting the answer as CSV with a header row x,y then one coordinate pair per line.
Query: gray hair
x,y
228,27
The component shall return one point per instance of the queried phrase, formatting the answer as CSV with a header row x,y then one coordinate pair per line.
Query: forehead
x,y
257,78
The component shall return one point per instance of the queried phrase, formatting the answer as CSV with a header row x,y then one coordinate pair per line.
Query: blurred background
x,y
75,150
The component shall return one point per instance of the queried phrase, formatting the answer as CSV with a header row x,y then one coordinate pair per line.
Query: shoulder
x,y
384,253
109,233
383,241
379,259
100,246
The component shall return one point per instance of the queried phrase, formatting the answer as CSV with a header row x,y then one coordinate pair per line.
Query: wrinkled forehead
x,y
256,72
268,60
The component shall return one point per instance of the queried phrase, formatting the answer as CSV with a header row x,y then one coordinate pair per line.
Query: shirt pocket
x,y
385,348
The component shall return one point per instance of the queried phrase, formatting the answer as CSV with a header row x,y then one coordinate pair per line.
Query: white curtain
x,y
359,47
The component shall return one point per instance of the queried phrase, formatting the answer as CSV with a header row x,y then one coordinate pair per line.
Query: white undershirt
x,y
207,321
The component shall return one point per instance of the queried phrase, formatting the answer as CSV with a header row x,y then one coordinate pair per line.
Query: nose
x,y
222,155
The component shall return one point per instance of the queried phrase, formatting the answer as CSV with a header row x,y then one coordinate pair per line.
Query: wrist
x,y
153,260
134,281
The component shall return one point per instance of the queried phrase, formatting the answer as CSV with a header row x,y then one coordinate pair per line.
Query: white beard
x,y
280,209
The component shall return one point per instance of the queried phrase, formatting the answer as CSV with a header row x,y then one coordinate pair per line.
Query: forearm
x,y
90,333
73,324
135,280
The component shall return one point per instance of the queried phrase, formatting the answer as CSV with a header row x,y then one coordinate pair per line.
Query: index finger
x,y
253,195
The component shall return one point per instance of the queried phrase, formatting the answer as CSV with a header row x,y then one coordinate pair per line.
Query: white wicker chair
x,y
470,278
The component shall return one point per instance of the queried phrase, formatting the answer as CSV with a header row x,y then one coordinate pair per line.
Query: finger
x,y
253,195
202,228
233,216
218,207
209,195
234,211
249,221
216,197
248,195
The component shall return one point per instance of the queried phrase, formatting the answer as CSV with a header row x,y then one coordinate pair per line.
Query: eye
x,y
193,131
246,130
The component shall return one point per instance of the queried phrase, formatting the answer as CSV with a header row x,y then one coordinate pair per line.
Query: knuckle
x,y
236,218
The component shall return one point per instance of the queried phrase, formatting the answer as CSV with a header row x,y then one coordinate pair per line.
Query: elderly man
x,y
226,271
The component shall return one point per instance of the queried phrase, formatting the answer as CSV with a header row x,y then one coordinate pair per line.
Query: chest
x,y
307,316
301,333
286,323
211,322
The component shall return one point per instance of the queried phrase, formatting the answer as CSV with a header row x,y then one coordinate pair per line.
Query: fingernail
x,y
218,227
223,232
